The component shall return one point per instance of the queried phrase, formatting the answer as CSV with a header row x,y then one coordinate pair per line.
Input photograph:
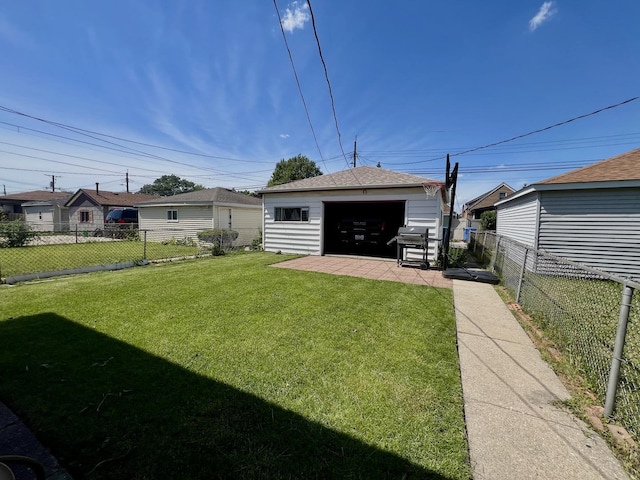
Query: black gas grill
x,y
412,238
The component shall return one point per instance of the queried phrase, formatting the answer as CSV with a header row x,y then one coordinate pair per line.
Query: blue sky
x,y
413,80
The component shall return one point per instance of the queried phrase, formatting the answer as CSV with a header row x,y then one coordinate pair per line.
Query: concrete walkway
x,y
514,429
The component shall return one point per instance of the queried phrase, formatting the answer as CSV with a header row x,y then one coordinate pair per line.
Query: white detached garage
x,y
316,215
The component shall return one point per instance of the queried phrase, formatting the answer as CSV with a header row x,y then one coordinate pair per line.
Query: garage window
x,y
292,214
172,215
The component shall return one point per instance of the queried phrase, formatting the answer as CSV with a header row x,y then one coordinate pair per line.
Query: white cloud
x,y
295,16
284,135
547,10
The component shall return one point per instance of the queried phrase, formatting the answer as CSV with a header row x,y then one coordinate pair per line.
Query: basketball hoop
x,y
431,188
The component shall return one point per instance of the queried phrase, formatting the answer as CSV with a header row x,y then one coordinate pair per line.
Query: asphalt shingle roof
x,y
209,195
36,196
621,167
360,177
114,199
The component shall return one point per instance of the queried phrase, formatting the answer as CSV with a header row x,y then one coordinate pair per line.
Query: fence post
x,y
76,233
494,255
521,279
144,253
614,374
484,243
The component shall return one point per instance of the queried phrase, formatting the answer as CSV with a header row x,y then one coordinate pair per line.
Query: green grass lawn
x,y
46,258
225,367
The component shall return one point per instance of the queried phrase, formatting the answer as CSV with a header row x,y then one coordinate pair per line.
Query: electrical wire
x,y
326,76
295,74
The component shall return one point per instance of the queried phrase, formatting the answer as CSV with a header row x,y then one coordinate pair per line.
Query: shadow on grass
x,y
109,410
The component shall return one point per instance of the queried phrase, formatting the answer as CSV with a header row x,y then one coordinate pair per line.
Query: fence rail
x,y
592,316
48,253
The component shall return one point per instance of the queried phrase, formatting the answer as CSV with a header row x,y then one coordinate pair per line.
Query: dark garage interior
x,y
362,228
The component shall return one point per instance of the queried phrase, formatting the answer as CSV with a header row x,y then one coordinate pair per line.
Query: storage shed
x,y
354,212
590,215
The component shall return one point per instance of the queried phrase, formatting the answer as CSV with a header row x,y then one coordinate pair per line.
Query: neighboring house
x,y
472,210
184,215
307,216
48,215
590,215
12,204
88,208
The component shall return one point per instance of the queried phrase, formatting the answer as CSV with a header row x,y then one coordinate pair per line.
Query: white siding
x,y
600,228
246,221
293,237
191,220
39,217
518,219
423,211
195,218
307,237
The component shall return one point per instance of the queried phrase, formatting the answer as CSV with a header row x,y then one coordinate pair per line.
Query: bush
x,y
457,258
16,234
256,242
218,236
488,220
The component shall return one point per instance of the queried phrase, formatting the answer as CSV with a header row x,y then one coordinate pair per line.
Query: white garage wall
x,y
518,219
307,237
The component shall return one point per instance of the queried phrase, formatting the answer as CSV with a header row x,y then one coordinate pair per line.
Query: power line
x,y
187,152
549,127
295,74
326,76
579,117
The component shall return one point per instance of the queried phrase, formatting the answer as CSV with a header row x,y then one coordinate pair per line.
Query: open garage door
x,y
362,228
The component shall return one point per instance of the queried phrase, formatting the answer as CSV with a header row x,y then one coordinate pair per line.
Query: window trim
x,y
82,213
172,215
279,215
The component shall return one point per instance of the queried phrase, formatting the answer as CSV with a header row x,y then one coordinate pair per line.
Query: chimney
x,y
97,191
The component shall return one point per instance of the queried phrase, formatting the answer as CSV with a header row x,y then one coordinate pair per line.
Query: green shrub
x,y
256,242
457,257
488,220
218,236
16,234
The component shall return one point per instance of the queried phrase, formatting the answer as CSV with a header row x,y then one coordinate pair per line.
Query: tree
x,y
168,185
296,168
488,220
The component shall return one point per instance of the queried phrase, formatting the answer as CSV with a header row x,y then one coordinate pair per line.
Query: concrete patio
x,y
367,267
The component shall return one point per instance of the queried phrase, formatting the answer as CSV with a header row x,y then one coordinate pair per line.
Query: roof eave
x,y
341,187
549,187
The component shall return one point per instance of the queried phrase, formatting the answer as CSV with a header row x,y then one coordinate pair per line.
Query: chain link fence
x,y
582,310
29,254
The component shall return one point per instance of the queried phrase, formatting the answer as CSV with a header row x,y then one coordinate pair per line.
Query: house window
x,y
292,214
172,215
85,216
502,195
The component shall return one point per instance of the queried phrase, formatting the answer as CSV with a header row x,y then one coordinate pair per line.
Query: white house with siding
x,y
305,216
184,215
590,215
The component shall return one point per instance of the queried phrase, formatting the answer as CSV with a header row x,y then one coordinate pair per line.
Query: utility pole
x,y
52,184
127,180
355,151
4,187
